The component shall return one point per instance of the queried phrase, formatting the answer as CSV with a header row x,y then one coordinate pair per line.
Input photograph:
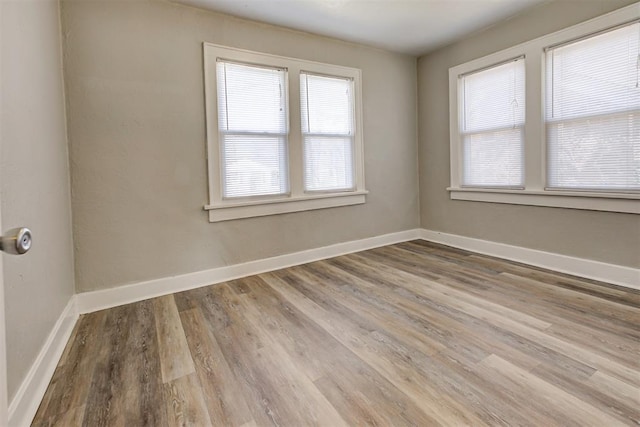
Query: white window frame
x,y
535,191
297,199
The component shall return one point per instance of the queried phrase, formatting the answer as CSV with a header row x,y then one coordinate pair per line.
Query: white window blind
x,y
327,111
593,111
253,128
491,125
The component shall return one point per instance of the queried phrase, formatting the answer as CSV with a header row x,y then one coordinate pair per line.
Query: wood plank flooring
x,y
409,334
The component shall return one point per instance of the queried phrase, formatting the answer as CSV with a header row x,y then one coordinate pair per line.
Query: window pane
x,y
597,153
493,158
254,165
326,104
493,114
251,98
494,98
593,112
594,76
328,163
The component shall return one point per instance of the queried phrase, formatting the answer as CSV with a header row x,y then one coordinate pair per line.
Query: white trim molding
x,y
27,399
98,300
609,202
609,273
279,206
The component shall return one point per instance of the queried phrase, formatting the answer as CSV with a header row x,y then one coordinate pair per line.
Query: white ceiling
x,y
409,26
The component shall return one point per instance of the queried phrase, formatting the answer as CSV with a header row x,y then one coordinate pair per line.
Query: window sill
x,y
608,202
237,210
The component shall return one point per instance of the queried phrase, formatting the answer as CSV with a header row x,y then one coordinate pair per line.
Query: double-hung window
x,y
492,125
554,121
283,134
252,130
593,112
327,132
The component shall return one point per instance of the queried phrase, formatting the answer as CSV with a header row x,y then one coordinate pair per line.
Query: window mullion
x,y
534,129
296,160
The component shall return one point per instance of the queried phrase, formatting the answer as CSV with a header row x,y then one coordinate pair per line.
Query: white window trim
x,y
535,191
297,199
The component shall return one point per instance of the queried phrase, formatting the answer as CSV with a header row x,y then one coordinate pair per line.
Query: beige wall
x,y
137,143
607,237
35,179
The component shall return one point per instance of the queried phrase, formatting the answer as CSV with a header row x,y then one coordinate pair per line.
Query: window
x,y
327,129
566,133
283,134
492,124
593,112
252,128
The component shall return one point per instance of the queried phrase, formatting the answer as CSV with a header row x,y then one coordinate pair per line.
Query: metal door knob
x,y
17,241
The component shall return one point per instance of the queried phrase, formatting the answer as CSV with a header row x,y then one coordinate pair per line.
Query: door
x,y
39,286
3,346
3,341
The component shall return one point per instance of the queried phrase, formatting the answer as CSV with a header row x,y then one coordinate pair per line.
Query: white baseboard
x,y
610,273
88,302
25,403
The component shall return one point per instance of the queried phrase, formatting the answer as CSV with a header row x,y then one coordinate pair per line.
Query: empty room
x,y
320,213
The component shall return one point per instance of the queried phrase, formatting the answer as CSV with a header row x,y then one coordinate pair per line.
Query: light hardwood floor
x,y
409,334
